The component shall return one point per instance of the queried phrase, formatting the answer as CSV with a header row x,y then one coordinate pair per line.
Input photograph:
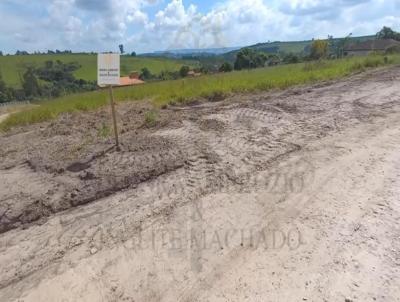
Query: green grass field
x,y
209,87
12,67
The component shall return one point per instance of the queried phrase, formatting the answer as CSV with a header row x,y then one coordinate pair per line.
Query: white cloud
x,y
234,22
94,25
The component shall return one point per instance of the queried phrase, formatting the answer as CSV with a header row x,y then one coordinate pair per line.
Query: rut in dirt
x,y
191,152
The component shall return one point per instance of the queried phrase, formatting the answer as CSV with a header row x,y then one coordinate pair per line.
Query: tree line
x,y
330,48
53,79
147,75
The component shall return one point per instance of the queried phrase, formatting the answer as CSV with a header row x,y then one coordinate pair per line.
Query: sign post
x,y
114,117
108,74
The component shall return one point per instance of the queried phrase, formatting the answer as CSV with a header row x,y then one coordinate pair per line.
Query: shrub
x,y
248,58
373,62
183,72
215,96
145,74
291,59
226,67
104,131
356,67
150,118
319,49
30,83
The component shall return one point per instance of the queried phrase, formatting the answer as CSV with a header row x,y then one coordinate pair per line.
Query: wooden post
x,y
114,118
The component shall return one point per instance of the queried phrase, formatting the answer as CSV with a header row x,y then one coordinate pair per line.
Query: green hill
x,y
12,67
296,47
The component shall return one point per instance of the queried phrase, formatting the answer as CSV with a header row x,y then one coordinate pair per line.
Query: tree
x,y
121,49
388,33
21,53
336,46
319,49
248,58
58,79
291,58
2,84
30,83
1,53
7,94
183,72
226,67
273,60
145,74
133,54
341,44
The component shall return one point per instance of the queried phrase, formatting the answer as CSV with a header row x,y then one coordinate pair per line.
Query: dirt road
x,y
286,196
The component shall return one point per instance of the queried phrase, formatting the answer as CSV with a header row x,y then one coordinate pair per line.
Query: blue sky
x,y
148,25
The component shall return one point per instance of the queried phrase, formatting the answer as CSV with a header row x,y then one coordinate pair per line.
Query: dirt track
x,y
287,196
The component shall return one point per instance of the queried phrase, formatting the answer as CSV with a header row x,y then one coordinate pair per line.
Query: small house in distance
x,y
132,79
367,47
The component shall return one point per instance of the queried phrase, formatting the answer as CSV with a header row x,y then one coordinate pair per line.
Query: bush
x,y
373,62
291,59
169,75
215,96
3,97
30,83
183,72
226,67
319,49
248,58
150,118
104,131
356,67
145,74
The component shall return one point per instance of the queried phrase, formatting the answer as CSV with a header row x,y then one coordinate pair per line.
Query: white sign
x,y
108,69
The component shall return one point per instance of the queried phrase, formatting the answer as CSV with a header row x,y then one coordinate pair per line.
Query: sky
x,y
150,25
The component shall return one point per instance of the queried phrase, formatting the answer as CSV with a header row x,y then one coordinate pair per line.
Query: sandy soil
x,y
285,196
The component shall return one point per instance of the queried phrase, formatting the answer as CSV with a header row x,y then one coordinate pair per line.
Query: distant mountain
x,y
180,53
215,56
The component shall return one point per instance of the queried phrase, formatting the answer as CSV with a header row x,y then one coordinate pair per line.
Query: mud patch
x,y
72,163
77,167
122,170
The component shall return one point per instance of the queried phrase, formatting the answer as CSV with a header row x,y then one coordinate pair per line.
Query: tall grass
x,y
211,87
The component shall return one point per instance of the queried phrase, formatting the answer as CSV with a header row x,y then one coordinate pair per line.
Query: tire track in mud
x,y
209,161
195,168
207,153
202,172
236,257
25,200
